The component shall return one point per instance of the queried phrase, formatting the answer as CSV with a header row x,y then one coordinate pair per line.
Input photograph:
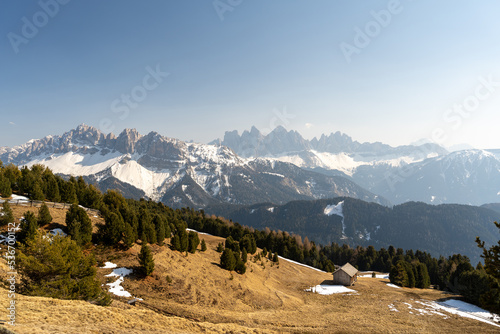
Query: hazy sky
x,y
390,71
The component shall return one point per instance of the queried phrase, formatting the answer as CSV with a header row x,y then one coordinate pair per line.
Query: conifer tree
x,y
56,267
44,216
78,222
422,280
220,247
491,299
203,245
68,193
128,236
193,241
51,187
146,261
176,242
184,240
7,215
240,267
37,192
29,228
227,260
160,229
5,189
111,232
74,231
491,256
244,255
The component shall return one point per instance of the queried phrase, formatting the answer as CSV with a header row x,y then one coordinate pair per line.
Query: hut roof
x,y
348,269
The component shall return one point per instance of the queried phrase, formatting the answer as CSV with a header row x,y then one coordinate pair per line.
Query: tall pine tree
x,y
7,216
78,222
44,216
29,228
146,261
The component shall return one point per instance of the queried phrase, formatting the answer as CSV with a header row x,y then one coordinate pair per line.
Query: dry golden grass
x,y
192,294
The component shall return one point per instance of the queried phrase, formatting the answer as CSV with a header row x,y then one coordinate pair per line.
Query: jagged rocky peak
x,y
84,135
126,141
156,145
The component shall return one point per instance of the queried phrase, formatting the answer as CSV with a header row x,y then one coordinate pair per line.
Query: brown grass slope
x,y
192,294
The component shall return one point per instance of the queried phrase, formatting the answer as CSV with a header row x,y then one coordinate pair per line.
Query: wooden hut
x,y
345,275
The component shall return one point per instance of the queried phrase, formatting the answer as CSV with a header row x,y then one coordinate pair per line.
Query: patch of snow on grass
x,y
329,289
393,286
392,308
19,198
118,290
386,276
467,310
115,287
109,265
455,307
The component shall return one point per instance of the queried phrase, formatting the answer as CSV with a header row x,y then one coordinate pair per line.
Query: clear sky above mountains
x,y
390,71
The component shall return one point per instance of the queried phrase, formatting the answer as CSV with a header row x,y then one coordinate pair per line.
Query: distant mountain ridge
x,y
427,172
176,172
280,141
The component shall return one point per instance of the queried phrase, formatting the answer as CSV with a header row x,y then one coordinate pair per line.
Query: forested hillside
x,y
440,230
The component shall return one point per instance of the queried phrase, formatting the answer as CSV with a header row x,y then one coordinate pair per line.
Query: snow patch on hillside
x,y
334,209
140,177
115,287
275,174
451,306
300,264
337,209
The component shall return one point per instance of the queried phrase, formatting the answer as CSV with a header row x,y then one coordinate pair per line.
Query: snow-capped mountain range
x,y
176,172
427,172
253,168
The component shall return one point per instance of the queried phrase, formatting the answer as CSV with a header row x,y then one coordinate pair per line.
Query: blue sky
x,y
390,71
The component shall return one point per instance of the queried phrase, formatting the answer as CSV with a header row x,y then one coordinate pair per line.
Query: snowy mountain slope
x,y
176,172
